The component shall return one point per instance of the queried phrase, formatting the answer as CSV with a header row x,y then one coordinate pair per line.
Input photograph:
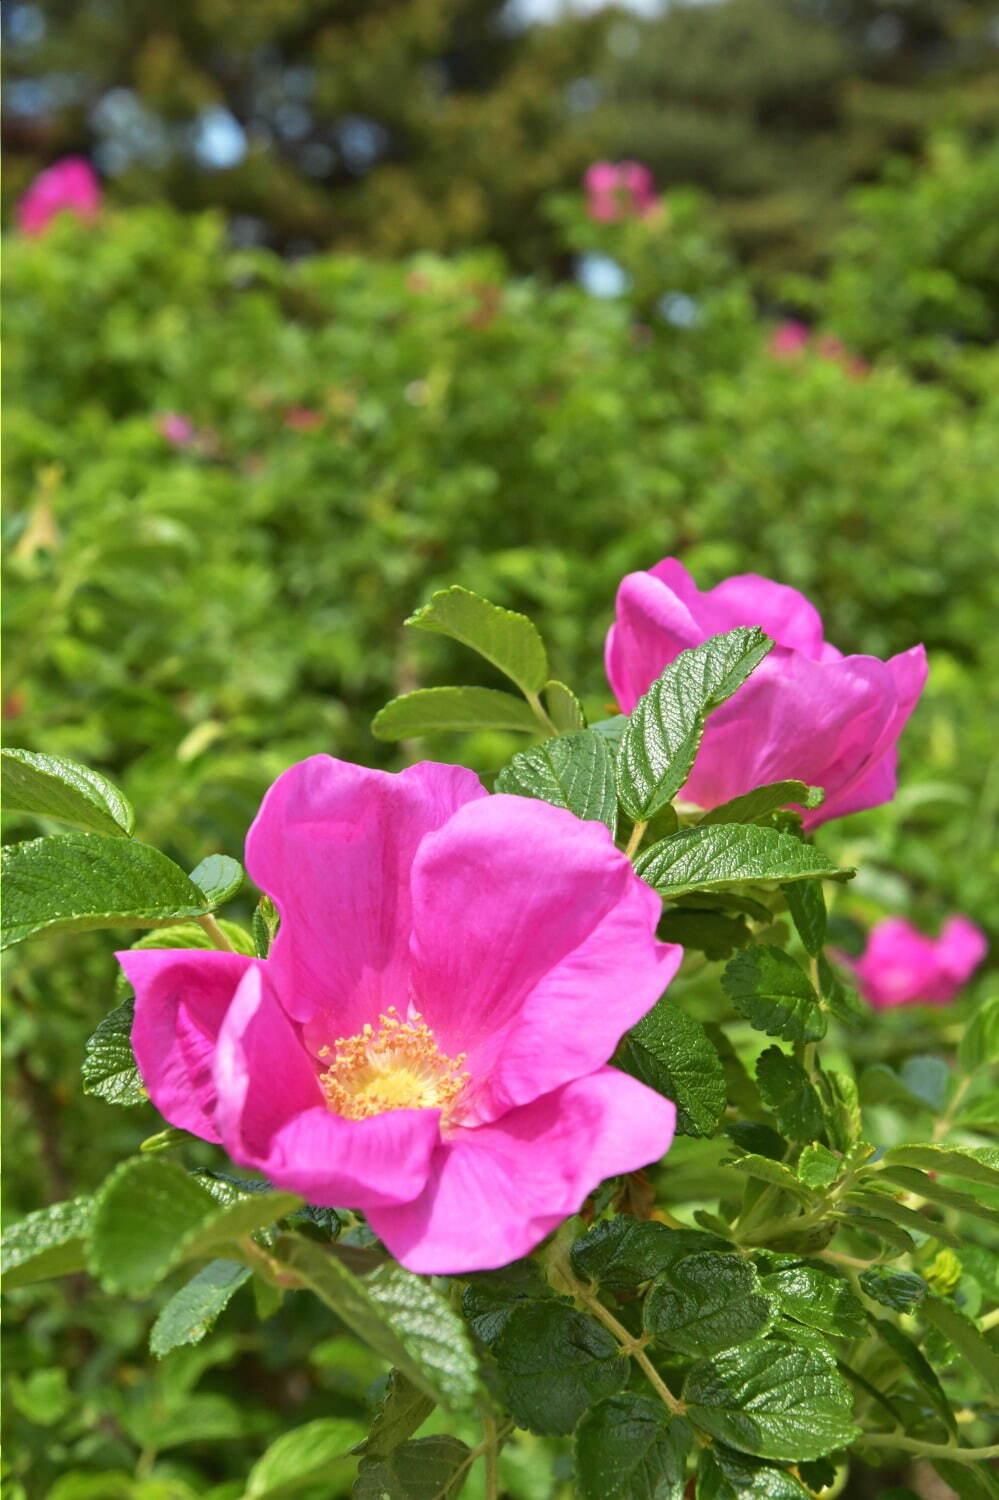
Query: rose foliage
x,y
539,1086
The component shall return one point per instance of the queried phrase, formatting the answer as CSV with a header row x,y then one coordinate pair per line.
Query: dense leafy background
x,y
190,621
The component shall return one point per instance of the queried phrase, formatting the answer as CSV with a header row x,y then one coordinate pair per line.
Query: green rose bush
x,y
544,1087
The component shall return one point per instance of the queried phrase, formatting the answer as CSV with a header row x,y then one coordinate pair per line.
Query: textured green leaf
x,y
77,881
968,1481
958,1329
563,707
814,1295
404,1409
762,801
490,1297
554,1362
109,1069
670,1051
50,786
507,639
399,1315
867,1219
629,1448
707,1302
699,859
879,1204
318,1453
620,1253
899,1290
49,1242
807,906
664,730
191,1312
917,1365
765,1169
818,1167
712,933
979,1044
725,1475
430,1468
787,1092
774,994
980,1164
841,1108
438,709
928,1187
573,771
218,877
773,1400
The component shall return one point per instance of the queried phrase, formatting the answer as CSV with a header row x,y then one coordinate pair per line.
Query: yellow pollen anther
x,y
396,1065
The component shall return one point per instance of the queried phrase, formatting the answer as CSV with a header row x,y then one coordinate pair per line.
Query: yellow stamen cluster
x,y
394,1065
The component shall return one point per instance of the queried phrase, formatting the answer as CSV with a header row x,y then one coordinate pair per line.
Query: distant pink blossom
x,y
792,338
619,190
302,418
427,1040
68,186
176,429
788,339
807,713
901,966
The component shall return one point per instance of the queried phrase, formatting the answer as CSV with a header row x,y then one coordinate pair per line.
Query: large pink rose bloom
x,y
68,186
427,1040
901,966
807,712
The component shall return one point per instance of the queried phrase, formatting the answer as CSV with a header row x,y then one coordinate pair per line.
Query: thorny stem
x,y
631,1346
216,934
928,1450
636,838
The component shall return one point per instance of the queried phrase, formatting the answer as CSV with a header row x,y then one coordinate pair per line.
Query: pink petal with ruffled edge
x,y
272,1115
526,921
497,1190
181,998
961,947
332,845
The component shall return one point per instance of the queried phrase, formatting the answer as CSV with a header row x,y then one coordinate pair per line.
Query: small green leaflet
x,y
553,1363
192,1311
787,1092
979,1045
507,639
774,993
318,1453
697,859
772,1399
574,771
429,1468
49,1242
491,1296
980,1164
758,804
563,707
724,1475
958,1329
706,1303
404,1409
629,1448
50,786
899,1290
440,709
814,1295
109,1069
621,1253
807,906
818,1167
670,1051
219,877
81,881
664,730
916,1363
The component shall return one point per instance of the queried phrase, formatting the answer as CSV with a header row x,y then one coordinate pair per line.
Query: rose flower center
x,y
394,1065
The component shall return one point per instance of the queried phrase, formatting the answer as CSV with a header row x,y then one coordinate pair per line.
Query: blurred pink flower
x,y
302,418
619,190
177,430
792,338
68,186
807,712
788,339
427,1040
901,966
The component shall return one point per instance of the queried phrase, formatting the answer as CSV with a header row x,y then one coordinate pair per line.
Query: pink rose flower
x,y
427,1040
807,712
177,430
788,339
619,190
68,186
901,966
302,419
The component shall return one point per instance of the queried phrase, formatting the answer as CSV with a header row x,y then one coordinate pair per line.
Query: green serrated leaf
x,y
814,1295
773,1400
841,1108
807,906
574,771
917,1365
706,1303
762,801
620,1253
318,1453
818,1167
670,1051
80,881
563,707
629,1448
979,1164
430,1468
49,1242
553,1363
507,639
664,730
50,786
868,1220
490,1297
882,1206
702,859
712,933
774,994
960,1331
109,1069
404,1409
765,1169
788,1093
725,1475
441,709
191,1312
399,1315
218,877
928,1187
899,1290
